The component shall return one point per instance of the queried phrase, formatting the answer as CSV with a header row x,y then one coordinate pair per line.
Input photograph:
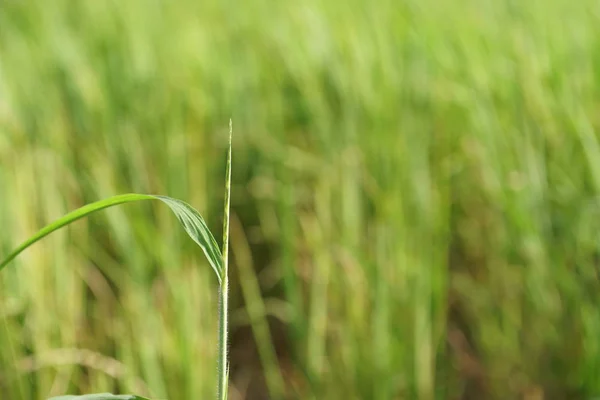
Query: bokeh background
x,y
415,197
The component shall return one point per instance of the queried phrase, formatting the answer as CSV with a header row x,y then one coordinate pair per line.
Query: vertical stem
x,y
222,365
223,368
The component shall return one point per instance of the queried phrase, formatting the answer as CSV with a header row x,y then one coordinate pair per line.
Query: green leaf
x,y
192,222
100,396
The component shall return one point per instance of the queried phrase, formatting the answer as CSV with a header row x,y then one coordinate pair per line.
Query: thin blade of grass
x,y
101,396
190,219
222,367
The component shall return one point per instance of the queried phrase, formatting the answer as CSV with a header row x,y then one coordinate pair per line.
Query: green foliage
x,y
100,396
414,204
196,228
190,219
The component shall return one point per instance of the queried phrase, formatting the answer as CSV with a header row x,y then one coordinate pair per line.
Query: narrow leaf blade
x,y
190,219
196,228
100,396
222,365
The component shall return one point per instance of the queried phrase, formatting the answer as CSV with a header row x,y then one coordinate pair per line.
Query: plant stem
x,y
222,365
222,356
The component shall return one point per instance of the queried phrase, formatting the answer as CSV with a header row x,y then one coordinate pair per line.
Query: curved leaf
x,y
100,396
192,222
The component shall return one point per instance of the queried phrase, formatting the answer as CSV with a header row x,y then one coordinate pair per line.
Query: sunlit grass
x,y
416,184
194,225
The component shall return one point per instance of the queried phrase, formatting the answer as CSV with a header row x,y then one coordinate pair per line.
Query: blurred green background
x,y
415,197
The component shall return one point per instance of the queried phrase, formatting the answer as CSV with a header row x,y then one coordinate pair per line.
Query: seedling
x,y
196,228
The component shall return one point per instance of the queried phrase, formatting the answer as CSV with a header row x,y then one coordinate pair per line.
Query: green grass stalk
x,y
223,368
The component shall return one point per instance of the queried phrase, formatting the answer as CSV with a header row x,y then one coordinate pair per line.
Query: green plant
x,y
418,213
100,396
196,228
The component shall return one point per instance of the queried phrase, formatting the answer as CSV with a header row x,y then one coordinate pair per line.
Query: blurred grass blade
x,y
101,396
191,220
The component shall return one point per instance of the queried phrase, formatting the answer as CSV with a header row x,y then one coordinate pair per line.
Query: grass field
x,y
415,197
